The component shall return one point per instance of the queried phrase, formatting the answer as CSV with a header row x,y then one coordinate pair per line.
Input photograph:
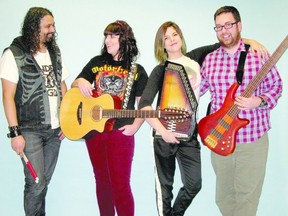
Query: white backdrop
x,y
80,26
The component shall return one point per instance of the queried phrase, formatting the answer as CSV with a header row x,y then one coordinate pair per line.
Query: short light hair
x,y
228,9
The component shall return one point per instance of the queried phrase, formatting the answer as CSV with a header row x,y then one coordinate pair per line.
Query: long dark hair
x,y
128,50
31,29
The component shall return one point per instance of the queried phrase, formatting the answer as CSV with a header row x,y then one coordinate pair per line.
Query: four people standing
x,y
111,152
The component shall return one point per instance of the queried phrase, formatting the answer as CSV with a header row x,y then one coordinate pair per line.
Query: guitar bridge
x,y
210,141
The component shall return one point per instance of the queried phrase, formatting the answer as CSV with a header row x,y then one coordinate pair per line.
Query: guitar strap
x,y
129,84
240,69
239,72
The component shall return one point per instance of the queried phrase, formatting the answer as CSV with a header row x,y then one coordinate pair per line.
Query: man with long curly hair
x,y
32,75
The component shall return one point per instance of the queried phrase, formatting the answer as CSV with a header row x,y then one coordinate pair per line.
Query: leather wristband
x,y
14,131
11,128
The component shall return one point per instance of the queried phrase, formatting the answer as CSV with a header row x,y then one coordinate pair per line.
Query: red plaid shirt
x,y
219,73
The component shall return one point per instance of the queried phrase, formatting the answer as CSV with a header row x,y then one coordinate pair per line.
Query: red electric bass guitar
x,y
218,130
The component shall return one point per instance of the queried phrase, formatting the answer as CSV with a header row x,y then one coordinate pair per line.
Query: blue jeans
x,y
42,149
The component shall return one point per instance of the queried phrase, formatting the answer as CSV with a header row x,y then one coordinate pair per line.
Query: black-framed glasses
x,y
226,26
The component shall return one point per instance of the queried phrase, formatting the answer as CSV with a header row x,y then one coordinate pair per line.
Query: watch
x,y
263,102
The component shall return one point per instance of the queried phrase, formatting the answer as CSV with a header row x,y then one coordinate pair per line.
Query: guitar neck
x,y
259,77
123,113
255,82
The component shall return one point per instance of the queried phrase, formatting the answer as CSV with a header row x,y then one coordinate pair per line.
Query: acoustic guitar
x,y
218,130
79,115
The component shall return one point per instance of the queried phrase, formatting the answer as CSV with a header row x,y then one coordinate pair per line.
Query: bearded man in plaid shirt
x,y
240,176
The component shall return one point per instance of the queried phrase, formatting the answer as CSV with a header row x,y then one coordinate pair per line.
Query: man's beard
x,y
50,39
231,43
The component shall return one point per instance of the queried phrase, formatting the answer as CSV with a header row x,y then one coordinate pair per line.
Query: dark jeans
x,y
42,149
111,155
187,155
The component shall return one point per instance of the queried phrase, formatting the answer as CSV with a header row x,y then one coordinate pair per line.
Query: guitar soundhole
x,y
96,113
79,113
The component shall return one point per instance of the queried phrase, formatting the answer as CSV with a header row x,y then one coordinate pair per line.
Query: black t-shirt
x,y
111,78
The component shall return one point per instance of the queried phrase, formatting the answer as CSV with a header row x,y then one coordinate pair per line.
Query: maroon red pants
x,y
111,156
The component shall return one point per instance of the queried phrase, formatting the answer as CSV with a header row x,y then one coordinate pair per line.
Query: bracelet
x,y
13,128
263,102
14,131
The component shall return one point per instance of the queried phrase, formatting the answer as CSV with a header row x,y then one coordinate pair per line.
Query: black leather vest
x,y
31,96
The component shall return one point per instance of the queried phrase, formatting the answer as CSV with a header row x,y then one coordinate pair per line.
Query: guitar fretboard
x,y
170,114
255,82
131,113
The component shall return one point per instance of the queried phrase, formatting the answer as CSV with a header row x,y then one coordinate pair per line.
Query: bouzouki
x,y
218,130
79,115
